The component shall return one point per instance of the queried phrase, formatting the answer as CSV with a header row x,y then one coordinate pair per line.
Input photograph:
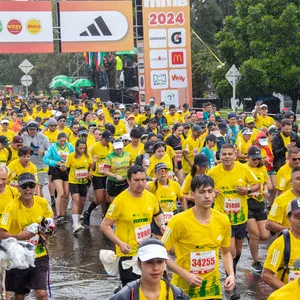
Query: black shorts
x,y
80,189
22,281
256,210
126,275
57,174
50,171
99,183
116,188
239,231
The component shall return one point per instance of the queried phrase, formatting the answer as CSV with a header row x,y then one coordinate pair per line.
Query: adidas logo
x,y
100,29
219,238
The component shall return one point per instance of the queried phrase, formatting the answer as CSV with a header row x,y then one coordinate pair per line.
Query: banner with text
x,y
26,27
92,26
167,51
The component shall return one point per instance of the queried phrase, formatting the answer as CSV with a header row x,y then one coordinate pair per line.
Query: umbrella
x,y
83,82
60,84
63,77
126,52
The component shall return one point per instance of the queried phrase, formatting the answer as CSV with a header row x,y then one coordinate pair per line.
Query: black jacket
x,y
131,292
279,150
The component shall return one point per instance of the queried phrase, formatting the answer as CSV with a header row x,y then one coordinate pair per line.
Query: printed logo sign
x,y
14,26
176,37
142,82
170,97
158,59
177,58
159,79
34,26
158,38
178,78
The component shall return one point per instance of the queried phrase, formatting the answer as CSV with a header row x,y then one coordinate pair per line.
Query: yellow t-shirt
x,y
45,115
243,146
102,152
79,168
171,120
120,129
66,130
137,119
163,292
275,258
263,122
197,250
72,139
118,164
290,291
286,139
9,134
17,216
90,140
228,200
193,146
262,176
27,118
8,195
278,210
166,195
14,154
283,178
3,157
154,161
186,186
52,135
134,152
15,169
132,217
253,136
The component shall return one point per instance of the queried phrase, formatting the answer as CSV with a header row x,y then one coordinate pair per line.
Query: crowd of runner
x,y
178,188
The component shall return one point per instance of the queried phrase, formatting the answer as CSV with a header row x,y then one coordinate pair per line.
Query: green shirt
x,y
119,165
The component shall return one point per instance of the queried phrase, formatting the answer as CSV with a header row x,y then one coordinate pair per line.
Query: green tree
x,y
263,41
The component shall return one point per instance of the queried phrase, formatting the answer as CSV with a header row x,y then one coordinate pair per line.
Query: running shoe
x,y
235,295
59,219
257,267
78,227
86,218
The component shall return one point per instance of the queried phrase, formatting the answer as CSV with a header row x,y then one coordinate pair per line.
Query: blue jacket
x,y
51,157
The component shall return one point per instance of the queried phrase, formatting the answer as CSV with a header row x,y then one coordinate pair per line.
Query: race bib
x,y
81,174
63,155
168,216
294,275
34,240
179,157
101,168
232,205
14,184
202,262
142,233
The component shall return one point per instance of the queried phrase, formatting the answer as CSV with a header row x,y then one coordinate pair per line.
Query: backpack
x,y
286,252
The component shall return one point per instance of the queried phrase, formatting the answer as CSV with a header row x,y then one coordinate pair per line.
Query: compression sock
x,y
235,262
92,206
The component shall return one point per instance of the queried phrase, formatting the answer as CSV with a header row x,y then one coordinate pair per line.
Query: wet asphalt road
x,y
77,273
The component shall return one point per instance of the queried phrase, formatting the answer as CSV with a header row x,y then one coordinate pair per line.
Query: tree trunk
x,y
295,97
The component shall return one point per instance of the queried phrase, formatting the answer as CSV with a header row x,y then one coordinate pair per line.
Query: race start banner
x,y
93,26
26,27
167,51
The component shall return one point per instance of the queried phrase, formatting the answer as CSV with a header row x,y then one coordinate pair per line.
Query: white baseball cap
x,y
118,145
151,251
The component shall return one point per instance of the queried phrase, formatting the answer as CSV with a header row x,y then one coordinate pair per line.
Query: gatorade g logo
x,y
177,58
176,38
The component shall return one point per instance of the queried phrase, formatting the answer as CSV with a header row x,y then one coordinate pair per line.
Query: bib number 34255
x,y
203,262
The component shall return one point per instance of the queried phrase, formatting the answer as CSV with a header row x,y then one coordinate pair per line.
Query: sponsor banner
x,y
93,25
26,27
167,51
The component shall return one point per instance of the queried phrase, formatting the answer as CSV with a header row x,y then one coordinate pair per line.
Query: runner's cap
x,y
152,251
17,139
160,166
118,144
126,136
246,131
26,178
211,137
4,121
249,119
106,134
254,152
293,207
4,140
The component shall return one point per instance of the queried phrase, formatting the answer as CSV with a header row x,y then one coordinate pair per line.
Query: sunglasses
x,y
296,158
19,145
62,120
117,118
24,186
255,158
52,125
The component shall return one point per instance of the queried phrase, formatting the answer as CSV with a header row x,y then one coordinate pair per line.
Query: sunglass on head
x,y
24,186
296,158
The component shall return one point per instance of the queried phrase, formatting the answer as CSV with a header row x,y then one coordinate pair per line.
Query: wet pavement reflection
x,y
77,273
